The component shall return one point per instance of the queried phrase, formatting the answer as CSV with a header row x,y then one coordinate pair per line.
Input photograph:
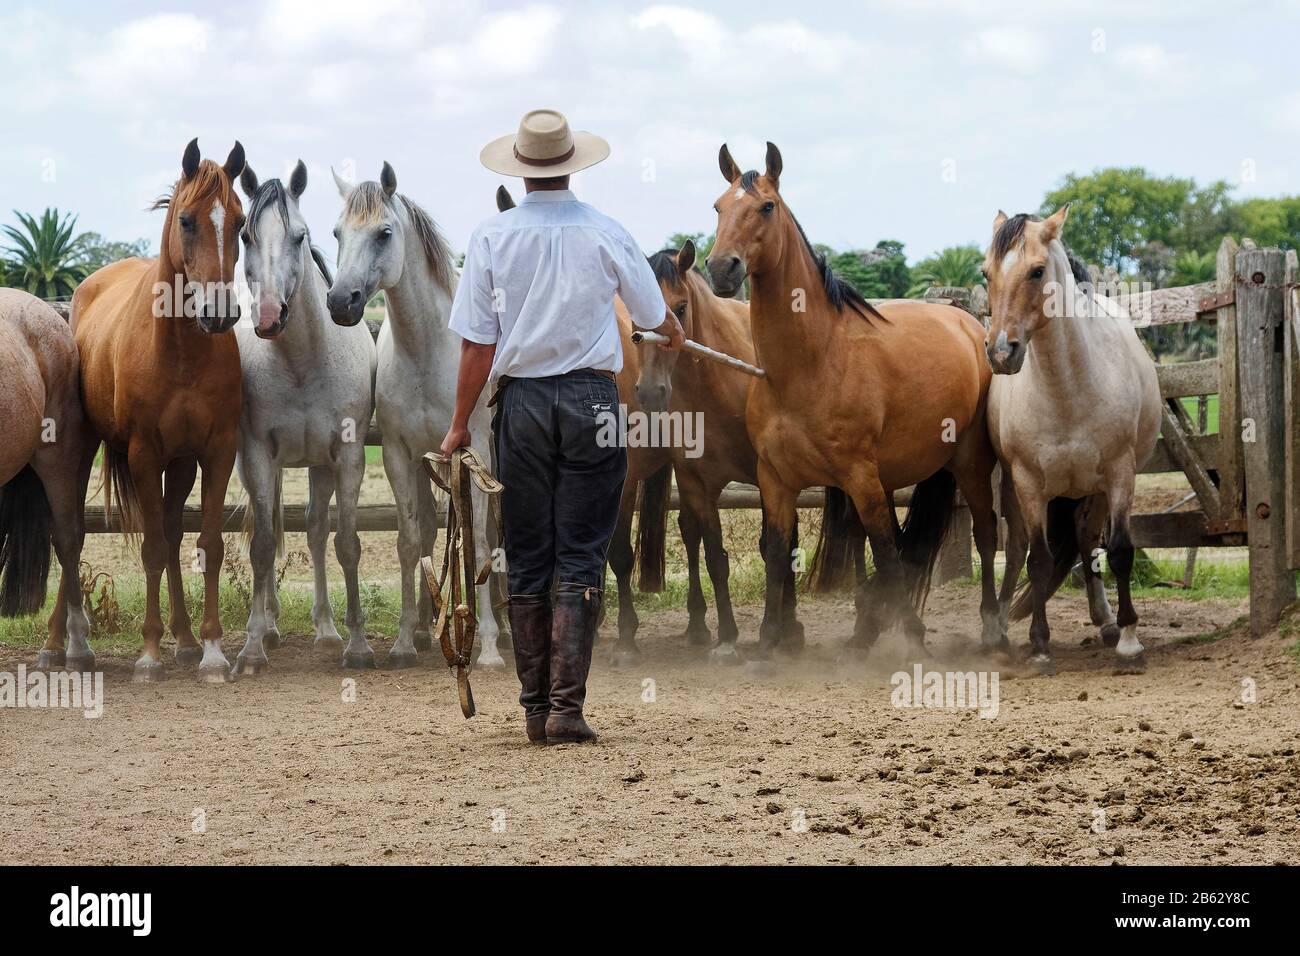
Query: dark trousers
x,y
563,478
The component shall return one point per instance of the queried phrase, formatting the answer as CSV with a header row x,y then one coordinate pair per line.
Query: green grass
x,y
1211,413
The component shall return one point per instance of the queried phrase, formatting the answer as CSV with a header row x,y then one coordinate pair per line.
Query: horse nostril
x,y
735,261
284,310
355,298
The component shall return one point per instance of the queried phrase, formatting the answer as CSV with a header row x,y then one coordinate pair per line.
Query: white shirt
x,y
539,280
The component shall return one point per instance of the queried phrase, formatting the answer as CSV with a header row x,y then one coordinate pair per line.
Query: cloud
x,y
506,44
1016,49
338,27
146,54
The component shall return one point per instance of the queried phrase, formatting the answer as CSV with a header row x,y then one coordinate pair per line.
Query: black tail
x,y
119,485
25,526
652,530
839,541
923,532
1063,542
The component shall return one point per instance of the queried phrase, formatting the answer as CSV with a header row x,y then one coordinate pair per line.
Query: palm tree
x,y
44,257
1191,269
956,266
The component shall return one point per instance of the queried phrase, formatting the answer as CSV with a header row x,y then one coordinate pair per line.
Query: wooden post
x,y
1291,416
1231,481
1260,334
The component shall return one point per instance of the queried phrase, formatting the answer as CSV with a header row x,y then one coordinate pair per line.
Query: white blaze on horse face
x,y
740,193
1009,261
218,217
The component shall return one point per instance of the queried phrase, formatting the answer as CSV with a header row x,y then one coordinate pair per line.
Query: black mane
x,y
664,265
1011,232
271,194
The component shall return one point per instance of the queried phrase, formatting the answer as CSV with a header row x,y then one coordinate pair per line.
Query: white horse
x,y
308,394
1074,411
388,242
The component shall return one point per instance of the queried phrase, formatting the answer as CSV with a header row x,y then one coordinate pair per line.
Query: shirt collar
x,y
550,195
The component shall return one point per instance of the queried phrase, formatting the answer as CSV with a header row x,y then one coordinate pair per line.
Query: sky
x,y
913,121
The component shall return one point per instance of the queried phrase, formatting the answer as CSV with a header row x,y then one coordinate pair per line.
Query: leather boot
x,y
573,631
530,629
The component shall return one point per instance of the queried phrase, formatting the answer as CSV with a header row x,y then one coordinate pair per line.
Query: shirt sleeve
x,y
473,310
638,287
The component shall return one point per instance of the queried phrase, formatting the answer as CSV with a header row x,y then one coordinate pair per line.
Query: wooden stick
x,y
703,351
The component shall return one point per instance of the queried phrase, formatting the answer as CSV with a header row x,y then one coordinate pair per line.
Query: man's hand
x,y
457,437
673,329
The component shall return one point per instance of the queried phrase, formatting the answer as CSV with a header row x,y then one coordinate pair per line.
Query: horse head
x,y
277,246
1022,272
672,269
750,235
372,238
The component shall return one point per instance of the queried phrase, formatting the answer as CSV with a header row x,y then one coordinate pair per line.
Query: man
x,y
535,306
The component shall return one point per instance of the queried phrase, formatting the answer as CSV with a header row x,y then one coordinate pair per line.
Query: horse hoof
x,y
758,670
725,655
271,640
625,655
52,660
792,640
328,646
214,673
494,662
148,672
996,648
698,637
1044,664
187,655
251,666
1110,635
1131,665
360,660
853,655
423,642
399,660
80,665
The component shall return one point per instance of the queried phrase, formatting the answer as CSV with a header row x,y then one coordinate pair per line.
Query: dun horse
x,y
1074,411
161,384
865,399
308,397
388,242
46,452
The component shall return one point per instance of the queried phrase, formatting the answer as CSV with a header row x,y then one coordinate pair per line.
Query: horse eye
x,y
680,311
768,207
1037,273
715,208
244,236
187,222
985,274
386,234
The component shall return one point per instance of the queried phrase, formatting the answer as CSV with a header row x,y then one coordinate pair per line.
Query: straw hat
x,y
543,147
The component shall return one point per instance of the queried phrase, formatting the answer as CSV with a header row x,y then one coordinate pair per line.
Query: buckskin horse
x,y
161,385
46,453
866,399
1074,411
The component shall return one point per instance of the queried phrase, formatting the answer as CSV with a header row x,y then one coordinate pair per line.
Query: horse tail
x,y
652,530
26,523
119,485
923,531
1062,544
839,542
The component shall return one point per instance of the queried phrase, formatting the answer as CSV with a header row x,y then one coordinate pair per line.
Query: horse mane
x,y
664,265
367,200
1011,232
840,293
272,195
208,181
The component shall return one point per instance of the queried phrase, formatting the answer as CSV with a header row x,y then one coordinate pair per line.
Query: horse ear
x,y
248,181
298,180
774,165
1053,224
235,162
190,161
730,171
686,257
388,179
999,220
504,199
344,187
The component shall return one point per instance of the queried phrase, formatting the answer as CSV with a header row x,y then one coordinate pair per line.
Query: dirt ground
x,y
697,763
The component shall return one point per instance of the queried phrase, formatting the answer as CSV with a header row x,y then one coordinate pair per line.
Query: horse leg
x,y
347,548
427,513
402,478
1033,508
146,477
621,557
258,473
1017,549
64,479
688,523
779,516
178,482
792,636
489,655
320,481
888,588
1130,654
214,668
1089,519
718,563
975,481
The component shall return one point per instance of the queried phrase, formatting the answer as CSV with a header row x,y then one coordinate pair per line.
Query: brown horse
x,y
46,452
648,484
671,382
161,384
864,399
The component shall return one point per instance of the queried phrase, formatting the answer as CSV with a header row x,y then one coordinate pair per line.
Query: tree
x,y
1270,222
957,266
703,244
45,258
1192,268
100,252
879,273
